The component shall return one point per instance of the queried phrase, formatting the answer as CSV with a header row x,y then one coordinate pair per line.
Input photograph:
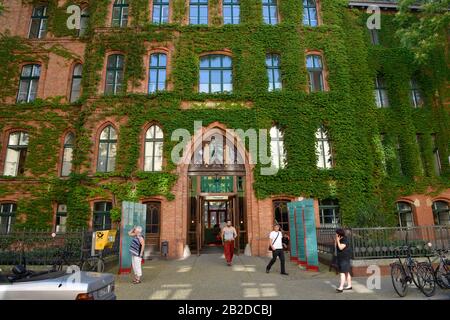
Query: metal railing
x,y
379,243
41,248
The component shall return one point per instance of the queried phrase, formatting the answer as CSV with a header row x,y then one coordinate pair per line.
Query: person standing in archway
x,y
228,235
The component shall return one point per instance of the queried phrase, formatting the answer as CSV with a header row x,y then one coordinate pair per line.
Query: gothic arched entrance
x,y
216,190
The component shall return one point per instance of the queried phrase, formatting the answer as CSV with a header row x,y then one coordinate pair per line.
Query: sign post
x,y
133,214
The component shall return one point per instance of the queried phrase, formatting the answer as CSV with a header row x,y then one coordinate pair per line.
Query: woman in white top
x,y
276,245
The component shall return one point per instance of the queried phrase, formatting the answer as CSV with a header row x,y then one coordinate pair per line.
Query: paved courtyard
x,y
208,277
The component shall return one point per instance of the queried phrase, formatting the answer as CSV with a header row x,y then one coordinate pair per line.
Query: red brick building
x,y
60,64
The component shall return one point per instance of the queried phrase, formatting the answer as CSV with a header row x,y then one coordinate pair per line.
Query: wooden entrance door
x,y
153,226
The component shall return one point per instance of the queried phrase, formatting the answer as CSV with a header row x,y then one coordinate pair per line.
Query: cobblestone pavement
x,y
208,277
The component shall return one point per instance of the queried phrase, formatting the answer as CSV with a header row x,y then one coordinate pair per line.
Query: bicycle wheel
x,y
88,265
399,281
413,271
426,274
442,275
100,265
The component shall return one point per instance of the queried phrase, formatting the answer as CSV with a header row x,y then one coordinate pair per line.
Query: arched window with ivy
x,y
114,74
75,89
107,149
38,25
154,139
69,143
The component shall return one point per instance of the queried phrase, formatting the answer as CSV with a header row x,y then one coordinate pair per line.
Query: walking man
x,y
228,235
276,246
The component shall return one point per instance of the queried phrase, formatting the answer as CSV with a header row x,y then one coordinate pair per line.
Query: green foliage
x,y
427,32
367,178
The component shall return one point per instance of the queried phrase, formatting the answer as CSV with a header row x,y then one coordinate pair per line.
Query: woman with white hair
x,y
137,252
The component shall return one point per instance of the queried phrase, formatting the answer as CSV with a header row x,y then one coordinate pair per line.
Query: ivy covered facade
x,y
80,110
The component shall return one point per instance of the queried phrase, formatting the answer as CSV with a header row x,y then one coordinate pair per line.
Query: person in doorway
x,y
343,260
228,235
276,246
137,252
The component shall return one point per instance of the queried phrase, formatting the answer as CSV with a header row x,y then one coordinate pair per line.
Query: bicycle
x,y
442,271
410,271
93,263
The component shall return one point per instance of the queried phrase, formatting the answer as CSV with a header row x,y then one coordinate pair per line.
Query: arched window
x,y
76,82
277,148
273,71
114,74
310,13
107,149
29,82
270,11
16,154
215,74
84,21
329,212
102,216
323,149
198,12
381,97
38,26
405,214
120,13
154,139
441,213
231,11
415,96
69,142
157,72
7,217
314,67
160,11
281,214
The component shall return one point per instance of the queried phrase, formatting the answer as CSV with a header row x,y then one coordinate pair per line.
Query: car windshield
x,y
31,276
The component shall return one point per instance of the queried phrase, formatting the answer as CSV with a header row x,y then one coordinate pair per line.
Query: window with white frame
x,y
310,13
120,13
29,82
69,142
441,213
405,214
277,151
38,26
107,149
7,217
160,11
16,154
75,89
231,11
329,212
154,139
323,149
381,96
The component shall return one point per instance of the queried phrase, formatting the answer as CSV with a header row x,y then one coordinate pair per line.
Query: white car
x,y
56,285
